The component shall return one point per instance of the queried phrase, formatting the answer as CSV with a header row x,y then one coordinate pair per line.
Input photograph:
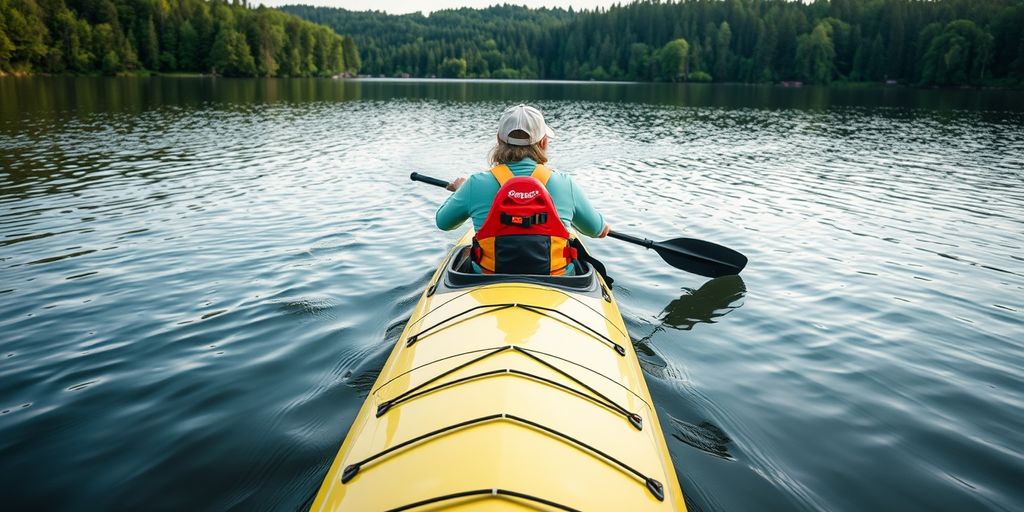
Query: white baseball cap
x,y
525,118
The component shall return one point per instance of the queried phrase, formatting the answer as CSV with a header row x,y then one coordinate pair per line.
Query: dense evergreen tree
x,y
817,41
639,63
928,42
723,38
166,35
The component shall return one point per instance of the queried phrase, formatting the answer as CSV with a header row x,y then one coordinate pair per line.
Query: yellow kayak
x,y
507,393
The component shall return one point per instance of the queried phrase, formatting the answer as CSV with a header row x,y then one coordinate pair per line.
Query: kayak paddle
x,y
695,256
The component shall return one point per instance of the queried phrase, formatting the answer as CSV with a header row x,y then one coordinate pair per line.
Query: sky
x,y
426,6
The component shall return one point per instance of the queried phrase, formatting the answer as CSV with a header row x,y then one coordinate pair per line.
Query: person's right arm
x,y
455,210
586,218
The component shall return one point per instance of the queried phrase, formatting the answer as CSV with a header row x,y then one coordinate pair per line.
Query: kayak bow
x,y
507,393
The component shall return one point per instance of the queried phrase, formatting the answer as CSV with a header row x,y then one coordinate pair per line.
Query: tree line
x,y
926,42
118,36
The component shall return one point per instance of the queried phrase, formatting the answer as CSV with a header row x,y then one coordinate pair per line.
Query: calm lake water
x,y
200,279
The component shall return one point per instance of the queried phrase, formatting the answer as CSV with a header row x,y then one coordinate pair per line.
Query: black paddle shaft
x,y
427,179
632,239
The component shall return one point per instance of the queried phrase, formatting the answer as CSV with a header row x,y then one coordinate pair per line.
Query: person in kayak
x,y
521,150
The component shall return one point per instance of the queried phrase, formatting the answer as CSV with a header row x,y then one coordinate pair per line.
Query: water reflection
x,y
77,95
714,299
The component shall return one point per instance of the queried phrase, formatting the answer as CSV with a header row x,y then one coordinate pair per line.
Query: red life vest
x,y
523,233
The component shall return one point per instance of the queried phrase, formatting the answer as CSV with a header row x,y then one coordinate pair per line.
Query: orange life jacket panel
x,y
523,233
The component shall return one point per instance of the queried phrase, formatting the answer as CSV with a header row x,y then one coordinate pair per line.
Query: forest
x,y
919,42
138,36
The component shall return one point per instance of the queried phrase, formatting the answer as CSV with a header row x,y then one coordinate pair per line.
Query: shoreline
x,y
782,84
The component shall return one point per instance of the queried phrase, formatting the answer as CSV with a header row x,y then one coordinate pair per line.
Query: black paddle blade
x,y
700,257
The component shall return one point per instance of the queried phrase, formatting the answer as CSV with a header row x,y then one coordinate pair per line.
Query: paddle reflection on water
x,y
714,299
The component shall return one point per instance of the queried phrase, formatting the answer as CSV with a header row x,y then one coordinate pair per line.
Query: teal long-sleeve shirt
x,y
474,198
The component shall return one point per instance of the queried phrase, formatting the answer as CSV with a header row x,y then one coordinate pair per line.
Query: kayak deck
x,y
506,396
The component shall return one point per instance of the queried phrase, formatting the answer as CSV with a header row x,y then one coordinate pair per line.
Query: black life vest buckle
x,y
524,222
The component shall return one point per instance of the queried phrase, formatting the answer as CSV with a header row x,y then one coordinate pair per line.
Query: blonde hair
x,y
503,152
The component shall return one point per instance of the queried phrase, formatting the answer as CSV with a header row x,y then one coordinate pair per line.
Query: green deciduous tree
x,y
672,60
959,55
26,32
453,68
105,48
111,63
230,55
815,55
700,76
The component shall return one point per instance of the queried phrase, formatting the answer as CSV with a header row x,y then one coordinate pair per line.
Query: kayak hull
x,y
506,395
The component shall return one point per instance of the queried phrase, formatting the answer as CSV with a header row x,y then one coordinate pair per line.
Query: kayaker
x,y
521,147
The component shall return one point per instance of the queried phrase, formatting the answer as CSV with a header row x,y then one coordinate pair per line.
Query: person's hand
x,y
604,232
455,184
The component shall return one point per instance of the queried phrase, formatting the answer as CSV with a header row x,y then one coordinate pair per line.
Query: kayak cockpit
x,y
458,274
